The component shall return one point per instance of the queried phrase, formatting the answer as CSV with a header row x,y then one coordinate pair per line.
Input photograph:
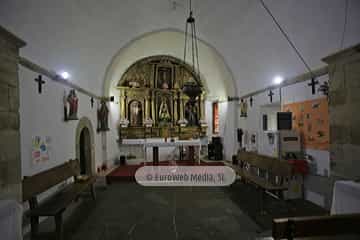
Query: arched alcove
x,y
215,76
84,145
215,73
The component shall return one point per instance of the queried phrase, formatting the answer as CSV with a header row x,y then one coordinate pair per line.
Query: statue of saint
x,y
103,115
191,114
243,108
164,114
135,113
73,100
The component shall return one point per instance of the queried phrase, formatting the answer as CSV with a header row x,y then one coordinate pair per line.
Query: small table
x,y
346,197
178,143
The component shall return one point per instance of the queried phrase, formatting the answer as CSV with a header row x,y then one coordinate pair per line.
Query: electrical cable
x,y
286,36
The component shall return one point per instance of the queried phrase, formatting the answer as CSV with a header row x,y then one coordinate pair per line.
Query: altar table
x,y
177,143
346,197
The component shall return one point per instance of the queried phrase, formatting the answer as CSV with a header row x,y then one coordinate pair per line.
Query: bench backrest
x,y
281,168
273,165
246,157
315,226
43,181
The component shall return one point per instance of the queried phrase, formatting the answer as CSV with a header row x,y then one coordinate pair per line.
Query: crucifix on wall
x,y
271,94
313,85
40,82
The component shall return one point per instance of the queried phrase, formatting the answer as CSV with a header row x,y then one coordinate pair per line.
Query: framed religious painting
x,y
215,108
164,76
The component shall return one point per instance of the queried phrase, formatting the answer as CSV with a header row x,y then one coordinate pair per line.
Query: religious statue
x,y
135,114
191,114
103,115
72,100
164,114
164,77
243,108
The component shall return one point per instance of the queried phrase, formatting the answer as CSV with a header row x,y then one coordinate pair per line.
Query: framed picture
x,y
164,77
215,107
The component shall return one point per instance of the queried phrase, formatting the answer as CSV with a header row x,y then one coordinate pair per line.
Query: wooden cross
x,y
251,101
271,94
313,85
40,83
92,102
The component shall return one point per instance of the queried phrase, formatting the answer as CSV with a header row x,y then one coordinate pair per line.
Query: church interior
x,y
179,119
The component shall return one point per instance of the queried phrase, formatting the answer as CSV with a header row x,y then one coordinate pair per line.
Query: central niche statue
x,y
164,114
135,113
103,115
191,114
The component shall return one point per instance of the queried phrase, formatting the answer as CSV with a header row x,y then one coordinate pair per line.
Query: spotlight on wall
x,y
65,75
112,98
278,80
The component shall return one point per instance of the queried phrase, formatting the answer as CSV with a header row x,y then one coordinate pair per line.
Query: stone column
x,y
200,107
202,112
147,107
10,161
344,114
122,105
176,117
182,104
125,106
153,106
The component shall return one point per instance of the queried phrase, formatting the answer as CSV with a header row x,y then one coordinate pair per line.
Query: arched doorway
x,y
85,146
85,151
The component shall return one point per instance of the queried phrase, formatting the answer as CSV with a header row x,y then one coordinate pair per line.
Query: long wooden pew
x,y
317,226
266,173
55,205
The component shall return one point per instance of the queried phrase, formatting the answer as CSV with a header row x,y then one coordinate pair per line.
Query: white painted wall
x,y
271,112
295,93
42,115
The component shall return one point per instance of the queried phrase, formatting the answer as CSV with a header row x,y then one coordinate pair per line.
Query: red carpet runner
x,y
127,172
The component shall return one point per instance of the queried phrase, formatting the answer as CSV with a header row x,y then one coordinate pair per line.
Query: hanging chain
x,y
194,45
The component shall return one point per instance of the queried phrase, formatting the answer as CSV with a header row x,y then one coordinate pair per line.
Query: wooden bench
x,y
317,226
55,205
266,173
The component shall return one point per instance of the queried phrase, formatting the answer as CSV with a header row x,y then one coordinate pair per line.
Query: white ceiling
x,y
82,36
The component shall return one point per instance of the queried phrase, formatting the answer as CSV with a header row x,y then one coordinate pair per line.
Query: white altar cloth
x,y
176,143
10,220
346,197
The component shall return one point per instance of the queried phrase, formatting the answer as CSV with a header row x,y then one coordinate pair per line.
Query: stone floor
x,y
130,211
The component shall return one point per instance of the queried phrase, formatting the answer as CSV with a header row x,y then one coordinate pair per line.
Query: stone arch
x,y
85,123
215,74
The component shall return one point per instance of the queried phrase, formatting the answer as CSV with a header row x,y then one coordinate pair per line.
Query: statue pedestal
x,y
124,123
148,123
203,123
182,122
